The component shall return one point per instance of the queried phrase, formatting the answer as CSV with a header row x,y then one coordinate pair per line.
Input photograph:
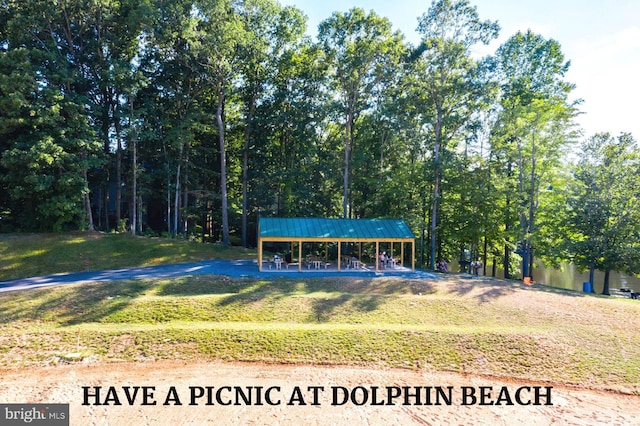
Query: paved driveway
x,y
231,268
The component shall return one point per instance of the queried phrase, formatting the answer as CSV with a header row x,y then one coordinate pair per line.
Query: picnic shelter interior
x,y
321,243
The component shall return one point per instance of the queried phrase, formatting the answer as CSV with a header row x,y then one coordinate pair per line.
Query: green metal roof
x,y
317,228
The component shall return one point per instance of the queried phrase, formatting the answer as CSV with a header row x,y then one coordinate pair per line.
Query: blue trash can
x,y
586,287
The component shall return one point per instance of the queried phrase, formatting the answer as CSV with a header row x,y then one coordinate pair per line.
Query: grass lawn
x,y
476,326
480,327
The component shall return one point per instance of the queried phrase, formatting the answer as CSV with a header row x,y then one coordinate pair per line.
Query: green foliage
x,y
449,95
531,132
605,205
555,238
361,51
47,141
216,112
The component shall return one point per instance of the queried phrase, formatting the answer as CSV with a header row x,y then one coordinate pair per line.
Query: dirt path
x,y
284,384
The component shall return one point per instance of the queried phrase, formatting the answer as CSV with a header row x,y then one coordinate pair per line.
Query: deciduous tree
x,y
605,206
449,29
360,48
533,128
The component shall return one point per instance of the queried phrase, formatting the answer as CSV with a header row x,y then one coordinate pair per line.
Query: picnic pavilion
x,y
297,231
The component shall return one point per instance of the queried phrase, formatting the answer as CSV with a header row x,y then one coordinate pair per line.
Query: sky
x,y
600,38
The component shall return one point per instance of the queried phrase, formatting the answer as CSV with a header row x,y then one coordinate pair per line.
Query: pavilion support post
x,y
377,259
401,254
413,255
260,254
339,255
300,256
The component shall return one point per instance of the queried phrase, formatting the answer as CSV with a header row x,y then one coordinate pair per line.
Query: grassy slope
x,y
476,326
40,254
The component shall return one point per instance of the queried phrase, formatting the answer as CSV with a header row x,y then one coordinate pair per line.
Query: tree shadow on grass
x,y
91,303
366,293
71,305
362,295
323,308
368,303
492,288
484,288
258,290
561,291
199,285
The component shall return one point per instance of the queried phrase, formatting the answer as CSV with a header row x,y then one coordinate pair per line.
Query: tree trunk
x,y
484,255
134,169
436,187
532,191
434,221
87,198
134,189
89,213
245,167
507,261
507,228
176,202
104,130
605,288
493,267
383,141
345,178
105,200
185,195
168,202
116,122
223,169
139,210
424,220
421,244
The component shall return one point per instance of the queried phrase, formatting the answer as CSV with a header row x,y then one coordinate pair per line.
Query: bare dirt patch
x,y
64,384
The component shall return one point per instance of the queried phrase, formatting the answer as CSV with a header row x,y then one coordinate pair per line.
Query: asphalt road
x,y
231,268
